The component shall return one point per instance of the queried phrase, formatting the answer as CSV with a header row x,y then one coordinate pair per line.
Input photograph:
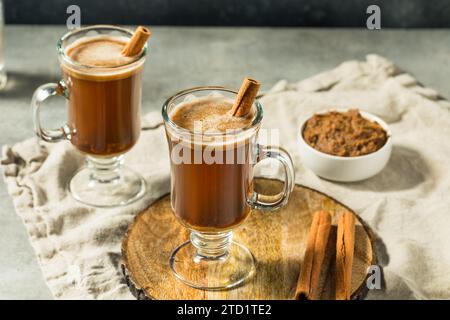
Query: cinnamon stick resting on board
x,y
345,246
137,42
245,98
316,246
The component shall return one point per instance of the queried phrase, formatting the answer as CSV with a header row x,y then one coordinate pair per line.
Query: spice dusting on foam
x,y
209,114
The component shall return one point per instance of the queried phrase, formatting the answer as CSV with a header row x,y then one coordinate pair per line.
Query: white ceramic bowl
x,y
346,169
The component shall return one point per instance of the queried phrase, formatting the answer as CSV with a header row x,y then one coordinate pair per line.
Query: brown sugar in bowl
x,y
344,134
361,149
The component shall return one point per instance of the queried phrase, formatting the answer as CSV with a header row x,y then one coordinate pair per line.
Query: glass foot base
x,y
125,188
220,273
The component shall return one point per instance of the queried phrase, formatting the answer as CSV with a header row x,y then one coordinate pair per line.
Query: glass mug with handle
x,y
3,77
212,192
104,102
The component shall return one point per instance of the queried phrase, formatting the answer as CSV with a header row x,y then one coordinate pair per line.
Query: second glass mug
x,y
212,198
103,122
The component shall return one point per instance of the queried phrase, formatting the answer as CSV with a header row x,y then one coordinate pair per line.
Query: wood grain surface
x,y
276,239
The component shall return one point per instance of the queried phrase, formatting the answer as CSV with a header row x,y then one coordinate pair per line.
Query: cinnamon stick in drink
x,y
345,246
245,98
137,42
307,285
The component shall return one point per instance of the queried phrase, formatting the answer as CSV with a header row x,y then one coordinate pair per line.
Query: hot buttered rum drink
x,y
104,95
211,175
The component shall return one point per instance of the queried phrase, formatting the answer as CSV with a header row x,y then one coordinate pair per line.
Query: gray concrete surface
x,y
186,57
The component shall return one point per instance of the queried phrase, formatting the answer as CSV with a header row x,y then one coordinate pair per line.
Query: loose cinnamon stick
x,y
137,42
345,246
245,98
307,285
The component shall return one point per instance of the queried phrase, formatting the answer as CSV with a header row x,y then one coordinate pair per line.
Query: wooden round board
x,y
276,239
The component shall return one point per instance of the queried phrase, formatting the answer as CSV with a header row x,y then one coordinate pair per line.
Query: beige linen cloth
x,y
407,204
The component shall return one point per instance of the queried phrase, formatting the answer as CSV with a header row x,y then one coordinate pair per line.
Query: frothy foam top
x,y
210,114
99,51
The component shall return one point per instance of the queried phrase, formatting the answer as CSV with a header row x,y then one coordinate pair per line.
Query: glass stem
x,y
211,246
3,77
104,170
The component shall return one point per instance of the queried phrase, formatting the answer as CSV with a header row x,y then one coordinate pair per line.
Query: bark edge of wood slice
x,y
276,239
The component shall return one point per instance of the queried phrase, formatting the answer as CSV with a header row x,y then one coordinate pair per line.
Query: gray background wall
x,y
314,13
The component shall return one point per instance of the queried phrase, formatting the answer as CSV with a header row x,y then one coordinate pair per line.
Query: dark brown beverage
x,y
210,194
104,99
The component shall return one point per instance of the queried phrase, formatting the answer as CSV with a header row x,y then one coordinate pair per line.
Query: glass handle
x,y
40,95
266,202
